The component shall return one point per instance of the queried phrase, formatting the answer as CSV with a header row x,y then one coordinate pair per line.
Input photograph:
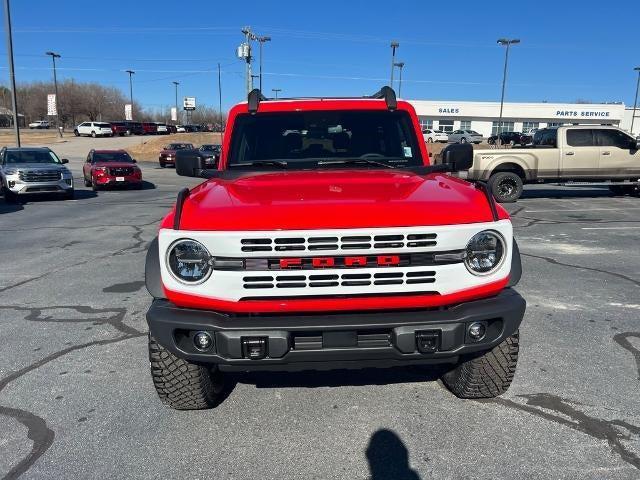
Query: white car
x,y
95,129
39,124
162,129
180,129
431,136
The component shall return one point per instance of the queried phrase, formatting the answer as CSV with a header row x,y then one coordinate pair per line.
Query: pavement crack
x,y
581,267
37,431
622,339
540,404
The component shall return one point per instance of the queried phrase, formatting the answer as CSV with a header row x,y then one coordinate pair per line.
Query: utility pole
x,y
504,42
176,84
276,90
220,97
12,76
400,65
635,102
55,86
394,45
131,72
245,52
262,40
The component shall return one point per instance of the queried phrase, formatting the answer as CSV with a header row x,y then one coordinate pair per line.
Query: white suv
x,y
95,129
39,124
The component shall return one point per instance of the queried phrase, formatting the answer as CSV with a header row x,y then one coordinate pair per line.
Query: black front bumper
x,y
336,340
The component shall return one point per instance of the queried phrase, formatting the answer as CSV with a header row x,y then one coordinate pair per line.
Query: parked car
x,y
39,124
120,128
172,129
180,129
431,136
150,128
161,129
465,136
192,128
168,154
94,129
597,154
104,168
31,170
134,128
286,264
211,153
510,138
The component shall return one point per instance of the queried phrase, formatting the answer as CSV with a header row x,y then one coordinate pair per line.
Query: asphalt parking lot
x,y
76,399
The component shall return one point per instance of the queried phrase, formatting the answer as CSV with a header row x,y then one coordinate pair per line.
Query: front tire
x,y
463,140
70,194
429,140
93,134
76,133
506,186
487,375
181,384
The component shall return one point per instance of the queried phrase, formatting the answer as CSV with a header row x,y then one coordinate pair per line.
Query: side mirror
x,y
133,160
459,156
64,160
189,163
635,144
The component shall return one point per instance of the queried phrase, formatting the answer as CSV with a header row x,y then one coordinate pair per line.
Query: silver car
x,y
465,136
31,170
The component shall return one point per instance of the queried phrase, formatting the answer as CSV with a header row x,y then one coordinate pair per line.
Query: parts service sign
x,y
52,108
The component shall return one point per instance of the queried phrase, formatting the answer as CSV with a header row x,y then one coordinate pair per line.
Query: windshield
x,y
30,156
178,146
112,157
320,139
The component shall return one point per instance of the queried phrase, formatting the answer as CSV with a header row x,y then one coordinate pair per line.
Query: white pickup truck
x,y
593,154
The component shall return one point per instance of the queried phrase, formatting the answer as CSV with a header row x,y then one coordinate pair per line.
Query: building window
x,y
528,126
446,125
554,124
506,127
424,124
465,124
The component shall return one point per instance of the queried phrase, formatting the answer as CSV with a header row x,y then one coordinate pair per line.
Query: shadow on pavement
x,y
388,457
10,207
339,378
569,192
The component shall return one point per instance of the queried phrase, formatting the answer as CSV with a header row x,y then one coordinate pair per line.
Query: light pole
x,y
252,78
504,42
131,72
220,97
394,45
262,40
400,65
635,102
276,90
176,84
12,76
55,87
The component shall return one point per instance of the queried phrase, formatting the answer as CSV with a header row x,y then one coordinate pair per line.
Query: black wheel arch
x,y
516,265
512,167
152,275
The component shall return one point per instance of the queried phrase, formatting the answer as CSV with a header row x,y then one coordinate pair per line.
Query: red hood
x,y
114,164
333,199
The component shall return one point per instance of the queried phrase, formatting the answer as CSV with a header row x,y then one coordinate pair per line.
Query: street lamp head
x,y
53,54
399,64
264,39
130,72
395,44
176,83
506,41
637,69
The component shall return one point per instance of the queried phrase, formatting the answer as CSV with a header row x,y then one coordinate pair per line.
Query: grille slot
x,y
121,171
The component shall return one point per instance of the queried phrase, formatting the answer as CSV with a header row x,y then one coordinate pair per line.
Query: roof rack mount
x,y
386,93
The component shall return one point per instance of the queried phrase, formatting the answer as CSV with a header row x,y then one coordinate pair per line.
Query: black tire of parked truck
x,y
181,384
487,375
506,186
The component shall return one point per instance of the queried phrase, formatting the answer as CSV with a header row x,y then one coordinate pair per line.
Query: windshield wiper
x,y
259,163
355,161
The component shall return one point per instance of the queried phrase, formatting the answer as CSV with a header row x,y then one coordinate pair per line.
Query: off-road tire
x,y
487,375
506,187
181,384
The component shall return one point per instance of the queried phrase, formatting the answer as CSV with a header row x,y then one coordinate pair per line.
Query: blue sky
x,y
570,49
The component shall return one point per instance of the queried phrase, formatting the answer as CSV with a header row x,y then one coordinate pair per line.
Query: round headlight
x,y
189,261
485,252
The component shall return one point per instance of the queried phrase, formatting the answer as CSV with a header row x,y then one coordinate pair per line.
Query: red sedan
x,y
111,167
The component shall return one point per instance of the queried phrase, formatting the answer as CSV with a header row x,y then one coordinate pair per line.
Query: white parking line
x,y
562,210
610,228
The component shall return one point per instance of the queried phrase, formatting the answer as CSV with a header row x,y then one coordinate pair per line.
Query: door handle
x,y
570,153
606,153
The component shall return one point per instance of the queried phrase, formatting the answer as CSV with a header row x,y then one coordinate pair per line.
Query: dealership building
x,y
520,117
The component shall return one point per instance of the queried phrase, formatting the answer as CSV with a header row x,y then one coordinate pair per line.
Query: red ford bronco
x,y
326,239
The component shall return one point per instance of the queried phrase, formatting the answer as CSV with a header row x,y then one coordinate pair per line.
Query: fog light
x,y
202,341
477,331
